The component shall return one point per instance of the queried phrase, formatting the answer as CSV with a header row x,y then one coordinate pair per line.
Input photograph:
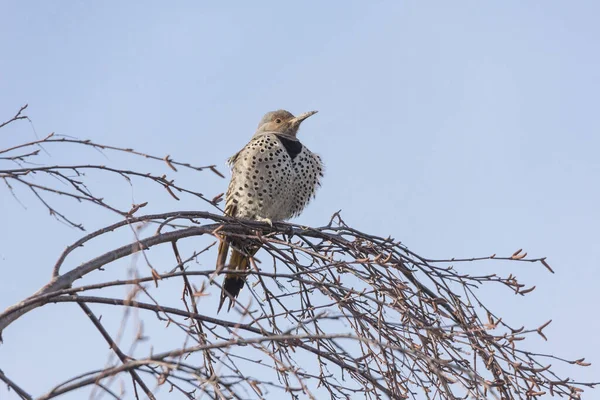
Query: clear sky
x,y
461,128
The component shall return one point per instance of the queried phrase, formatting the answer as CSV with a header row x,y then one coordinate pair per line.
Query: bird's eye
x,y
278,120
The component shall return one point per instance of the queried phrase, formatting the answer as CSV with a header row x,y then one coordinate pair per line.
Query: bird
x,y
273,178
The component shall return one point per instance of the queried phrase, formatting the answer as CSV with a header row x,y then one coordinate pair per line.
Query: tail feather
x,y
222,254
233,283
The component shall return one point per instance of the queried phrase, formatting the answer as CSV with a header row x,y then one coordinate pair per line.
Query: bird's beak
x,y
297,120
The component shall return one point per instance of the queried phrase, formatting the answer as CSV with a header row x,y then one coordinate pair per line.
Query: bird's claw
x,y
267,220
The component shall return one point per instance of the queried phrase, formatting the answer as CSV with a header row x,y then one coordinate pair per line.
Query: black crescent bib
x,y
293,147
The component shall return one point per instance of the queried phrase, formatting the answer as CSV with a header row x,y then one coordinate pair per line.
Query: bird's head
x,y
282,121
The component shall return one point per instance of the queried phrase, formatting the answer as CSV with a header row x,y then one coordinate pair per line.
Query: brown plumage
x,y
273,178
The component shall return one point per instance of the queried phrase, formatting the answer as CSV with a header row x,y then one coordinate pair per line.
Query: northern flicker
x,y
273,178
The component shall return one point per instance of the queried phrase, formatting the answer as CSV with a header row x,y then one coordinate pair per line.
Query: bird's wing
x,y
233,161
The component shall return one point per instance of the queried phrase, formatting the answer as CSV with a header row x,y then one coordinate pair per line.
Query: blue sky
x,y
461,128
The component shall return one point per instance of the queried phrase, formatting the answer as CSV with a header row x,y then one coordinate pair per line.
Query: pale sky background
x,y
461,128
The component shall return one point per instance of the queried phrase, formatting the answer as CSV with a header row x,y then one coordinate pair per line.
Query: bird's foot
x,y
267,220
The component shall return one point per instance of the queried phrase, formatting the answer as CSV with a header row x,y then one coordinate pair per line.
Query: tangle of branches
x,y
329,312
